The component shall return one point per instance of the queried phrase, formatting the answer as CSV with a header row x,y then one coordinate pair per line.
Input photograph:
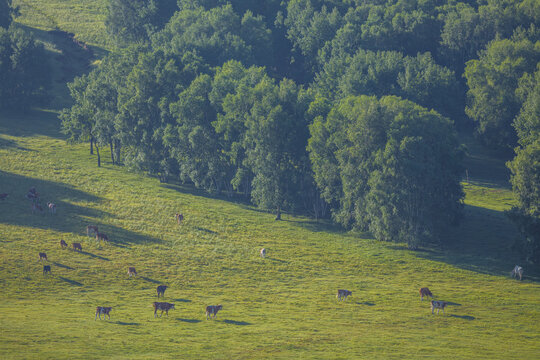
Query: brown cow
x,y
46,269
213,310
438,305
63,244
103,310
77,246
425,292
162,306
343,294
101,236
132,271
92,228
42,256
161,290
179,218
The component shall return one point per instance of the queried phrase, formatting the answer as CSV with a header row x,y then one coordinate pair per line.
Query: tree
x,y
130,21
388,165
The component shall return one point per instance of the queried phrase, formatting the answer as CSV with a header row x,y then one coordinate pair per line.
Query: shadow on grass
x,y
150,280
365,303
69,218
94,256
181,300
277,260
126,323
191,321
192,190
205,230
464,317
62,266
452,303
10,144
69,281
234,322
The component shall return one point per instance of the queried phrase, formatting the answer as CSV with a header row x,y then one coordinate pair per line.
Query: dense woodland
x,y
348,109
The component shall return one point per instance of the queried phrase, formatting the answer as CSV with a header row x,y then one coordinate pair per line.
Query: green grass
x,y
280,307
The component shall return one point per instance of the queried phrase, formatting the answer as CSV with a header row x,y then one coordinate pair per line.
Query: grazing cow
x,y
101,236
212,310
36,207
32,194
263,252
63,244
162,306
42,256
438,305
3,196
52,207
93,229
343,294
518,271
161,290
132,271
77,246
425,292
46,269
179,218
103,310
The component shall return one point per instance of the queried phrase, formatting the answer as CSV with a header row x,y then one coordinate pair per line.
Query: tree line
x,y
347,108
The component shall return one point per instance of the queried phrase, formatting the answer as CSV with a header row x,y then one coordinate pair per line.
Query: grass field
x,y
283,306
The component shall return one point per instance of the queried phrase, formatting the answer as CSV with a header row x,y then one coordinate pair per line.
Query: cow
x,y
263,253
212,310
162,306
132,271
179,218
63,244
77,246
161,290
103,310
92,228
46,269
438,305
32,194
52,207
518,271
425,292
343,294
3,196
42,256
36,207
101,236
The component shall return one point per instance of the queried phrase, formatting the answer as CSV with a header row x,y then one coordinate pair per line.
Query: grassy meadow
x,y
281,307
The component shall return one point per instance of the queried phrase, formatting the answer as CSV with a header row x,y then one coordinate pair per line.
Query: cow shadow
x,y
205,230
62,266
181,300
94,256
191,321
464,317
239,323
277,260
69,281
367,303
126,323
452,303
149,280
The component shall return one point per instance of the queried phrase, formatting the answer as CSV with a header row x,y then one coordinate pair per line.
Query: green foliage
x,y
389,165
129,21
493,80
7,11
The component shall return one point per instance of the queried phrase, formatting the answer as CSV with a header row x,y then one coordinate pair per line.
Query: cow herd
x,y
211,311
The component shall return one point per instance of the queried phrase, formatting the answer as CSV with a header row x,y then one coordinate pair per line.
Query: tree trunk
x,y
278,215
117,151
112,152
98,156
91,145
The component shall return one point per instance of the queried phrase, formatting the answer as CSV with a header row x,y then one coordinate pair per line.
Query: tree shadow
x,y
11,144
69,281
150,280
192,190
464,317
181,300
69,218
62,266
239,323
191,321
22,123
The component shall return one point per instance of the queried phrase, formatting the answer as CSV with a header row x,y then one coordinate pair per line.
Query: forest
x,y
350,110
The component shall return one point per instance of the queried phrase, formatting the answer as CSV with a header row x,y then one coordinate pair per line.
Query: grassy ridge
x,y
282,307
